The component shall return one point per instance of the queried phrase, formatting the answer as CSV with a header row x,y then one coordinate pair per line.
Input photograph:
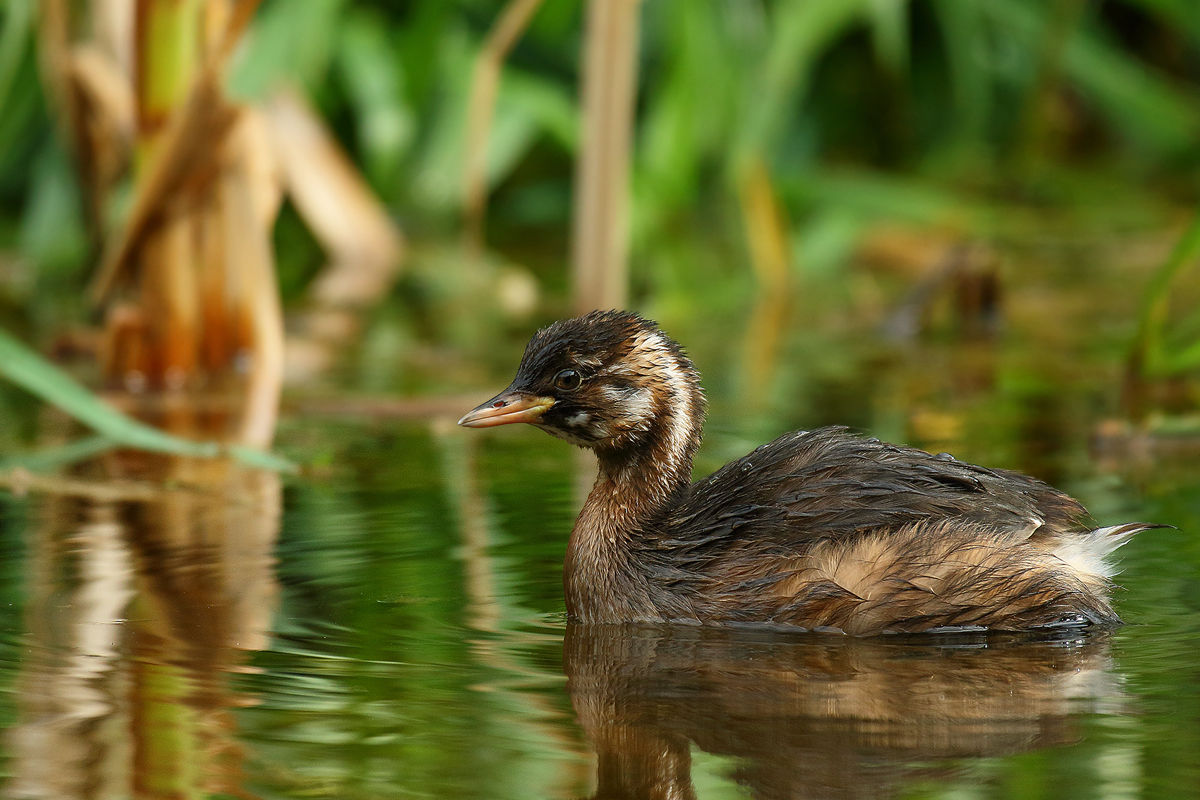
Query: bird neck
x,y
643,477
636,486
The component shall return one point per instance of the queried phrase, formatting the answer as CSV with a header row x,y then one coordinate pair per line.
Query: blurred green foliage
x,y
995,119
113,427
982,117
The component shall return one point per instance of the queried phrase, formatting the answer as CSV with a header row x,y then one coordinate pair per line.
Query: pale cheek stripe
x,y
679,388
640,404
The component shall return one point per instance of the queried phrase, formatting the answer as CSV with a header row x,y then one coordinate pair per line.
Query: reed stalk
x,y
600,235
188,281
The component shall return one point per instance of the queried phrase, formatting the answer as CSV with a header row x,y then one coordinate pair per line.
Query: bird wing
x,y
824,484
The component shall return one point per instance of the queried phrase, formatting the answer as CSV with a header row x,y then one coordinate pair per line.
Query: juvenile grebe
x,y
818,529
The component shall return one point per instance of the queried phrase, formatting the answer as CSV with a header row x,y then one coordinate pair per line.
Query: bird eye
x,y
568,380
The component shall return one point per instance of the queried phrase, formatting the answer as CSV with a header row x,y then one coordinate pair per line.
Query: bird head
x,y
605,380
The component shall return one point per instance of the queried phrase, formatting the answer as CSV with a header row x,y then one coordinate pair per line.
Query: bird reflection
x,y
818,716
149,579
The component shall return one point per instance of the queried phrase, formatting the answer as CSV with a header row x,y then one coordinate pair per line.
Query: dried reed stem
x,y
251,247
184,146
601,228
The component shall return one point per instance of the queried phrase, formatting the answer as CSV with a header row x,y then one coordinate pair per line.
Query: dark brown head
x,y
610,381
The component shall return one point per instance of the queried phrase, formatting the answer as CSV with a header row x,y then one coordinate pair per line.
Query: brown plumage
x,y
818,529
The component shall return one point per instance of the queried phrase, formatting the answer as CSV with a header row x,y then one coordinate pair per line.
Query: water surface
x,y
390,625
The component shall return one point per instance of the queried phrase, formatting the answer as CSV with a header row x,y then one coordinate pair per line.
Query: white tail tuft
x,y
1086,551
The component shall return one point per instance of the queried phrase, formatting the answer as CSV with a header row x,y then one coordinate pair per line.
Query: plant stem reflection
x,y
141,611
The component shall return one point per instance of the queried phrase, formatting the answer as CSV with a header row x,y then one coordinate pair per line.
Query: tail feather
x,y
1087,551
1109,539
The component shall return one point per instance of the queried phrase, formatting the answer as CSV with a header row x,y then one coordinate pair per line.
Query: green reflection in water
x,y
417,645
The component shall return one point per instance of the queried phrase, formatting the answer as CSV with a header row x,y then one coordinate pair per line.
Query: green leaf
x,y
1148,107
14,39
52,226
1157,359
878,196
527,108
800,32
969,55
289,43
374,80
32,372
543,102
51,459
889,33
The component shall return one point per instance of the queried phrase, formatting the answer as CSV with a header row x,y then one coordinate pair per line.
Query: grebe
x,y
819,529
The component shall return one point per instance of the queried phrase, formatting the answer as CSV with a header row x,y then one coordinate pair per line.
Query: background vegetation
x,y
820,151
966,224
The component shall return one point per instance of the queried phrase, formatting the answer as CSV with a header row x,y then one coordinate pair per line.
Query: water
x,y
391,624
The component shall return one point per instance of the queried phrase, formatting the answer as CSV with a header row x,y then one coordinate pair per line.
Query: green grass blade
x,y
18,21
48,460
32,372
260,458
1148,107
800,33
888,22
1151,338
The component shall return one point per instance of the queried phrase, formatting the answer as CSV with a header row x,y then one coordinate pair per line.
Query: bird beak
x,y
507,407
